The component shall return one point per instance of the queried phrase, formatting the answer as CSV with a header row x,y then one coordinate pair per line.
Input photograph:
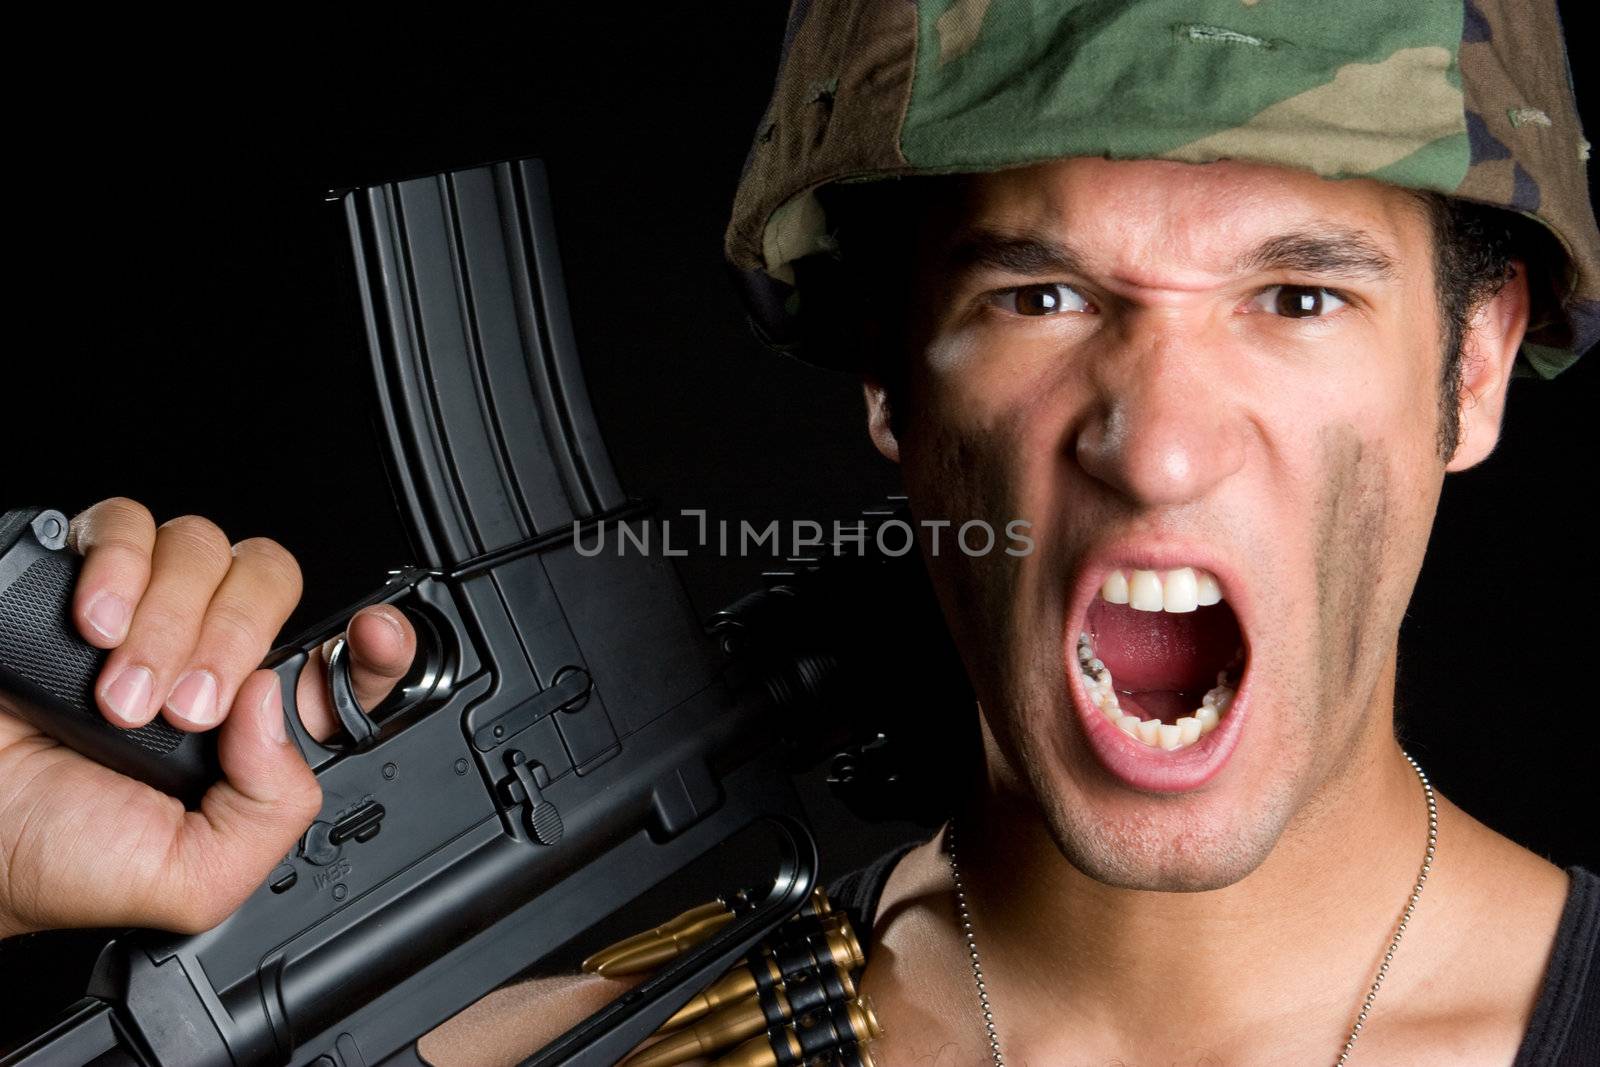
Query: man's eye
x,y
1049,299
1298,301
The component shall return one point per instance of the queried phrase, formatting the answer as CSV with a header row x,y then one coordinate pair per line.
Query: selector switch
x,y
316,846
324,842
362,824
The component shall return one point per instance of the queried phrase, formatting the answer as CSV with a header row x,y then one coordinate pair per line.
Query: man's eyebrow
x,y
1336,252
1347,253
1012,253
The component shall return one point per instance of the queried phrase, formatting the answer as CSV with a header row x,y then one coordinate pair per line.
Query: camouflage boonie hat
x,y
1471,98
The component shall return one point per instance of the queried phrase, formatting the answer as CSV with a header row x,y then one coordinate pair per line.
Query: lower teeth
x,y
1153,732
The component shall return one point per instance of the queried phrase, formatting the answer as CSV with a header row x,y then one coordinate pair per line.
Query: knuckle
x,y
233,631
197,527
127,512
116,522
200,537
305,804
120,511
128,509
275,562
161,633
114,542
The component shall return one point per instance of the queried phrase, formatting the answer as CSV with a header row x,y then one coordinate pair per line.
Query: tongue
x,y
1164,704
1157,652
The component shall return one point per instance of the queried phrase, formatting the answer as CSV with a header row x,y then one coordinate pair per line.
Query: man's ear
x,y
879,423
1488,351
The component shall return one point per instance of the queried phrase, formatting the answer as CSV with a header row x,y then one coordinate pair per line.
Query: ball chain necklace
x,y
965,917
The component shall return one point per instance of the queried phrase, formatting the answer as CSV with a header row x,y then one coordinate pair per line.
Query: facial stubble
x,y
1007,615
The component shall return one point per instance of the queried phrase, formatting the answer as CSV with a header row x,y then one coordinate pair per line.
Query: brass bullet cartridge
x,y
768,1050
852,1022
837,950
810,990
736,985
816,906
717,1032
710,910
765,1008
814,1035
835,942
652,953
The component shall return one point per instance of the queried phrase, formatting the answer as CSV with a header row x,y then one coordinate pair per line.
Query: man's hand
x,y
188,617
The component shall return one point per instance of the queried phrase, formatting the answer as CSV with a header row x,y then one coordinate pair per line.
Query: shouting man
x,y
1213,293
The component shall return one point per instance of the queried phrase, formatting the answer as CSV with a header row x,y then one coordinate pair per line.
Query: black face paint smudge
x,y
1352,528
958,475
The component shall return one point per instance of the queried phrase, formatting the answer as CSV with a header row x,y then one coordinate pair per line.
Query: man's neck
x,y
1294,941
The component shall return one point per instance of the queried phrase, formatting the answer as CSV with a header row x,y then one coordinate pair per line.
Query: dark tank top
x,y
1564,1031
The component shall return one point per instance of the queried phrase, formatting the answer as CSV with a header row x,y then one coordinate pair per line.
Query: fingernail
x,y
108,614
194,698
272,715
129,694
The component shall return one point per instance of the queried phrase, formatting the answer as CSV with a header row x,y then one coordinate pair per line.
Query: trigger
x,y
358,724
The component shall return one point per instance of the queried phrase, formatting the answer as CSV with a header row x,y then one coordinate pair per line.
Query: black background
x,y
188,338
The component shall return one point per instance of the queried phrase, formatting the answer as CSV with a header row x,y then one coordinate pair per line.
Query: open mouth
x,y
1162,654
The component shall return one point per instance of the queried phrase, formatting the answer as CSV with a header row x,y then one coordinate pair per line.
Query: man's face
x,y
1227,368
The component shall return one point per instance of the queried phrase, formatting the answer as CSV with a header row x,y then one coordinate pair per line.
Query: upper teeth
x,y
1183,589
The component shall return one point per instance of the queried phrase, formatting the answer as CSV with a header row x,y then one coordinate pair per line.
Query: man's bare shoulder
x,y
1509,901
922,873
915,973
1485,948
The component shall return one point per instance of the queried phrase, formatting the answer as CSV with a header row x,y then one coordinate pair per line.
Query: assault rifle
x,y
570,736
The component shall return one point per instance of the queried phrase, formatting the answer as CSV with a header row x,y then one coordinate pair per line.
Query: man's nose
x,y
1164,430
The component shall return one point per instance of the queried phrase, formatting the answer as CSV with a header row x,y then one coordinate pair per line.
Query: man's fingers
x,y
381,643
188,562
88,846
260,764
255,598
252,818
248,821
115,538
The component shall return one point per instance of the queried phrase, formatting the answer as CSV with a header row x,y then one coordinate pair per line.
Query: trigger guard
x,y
358,724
